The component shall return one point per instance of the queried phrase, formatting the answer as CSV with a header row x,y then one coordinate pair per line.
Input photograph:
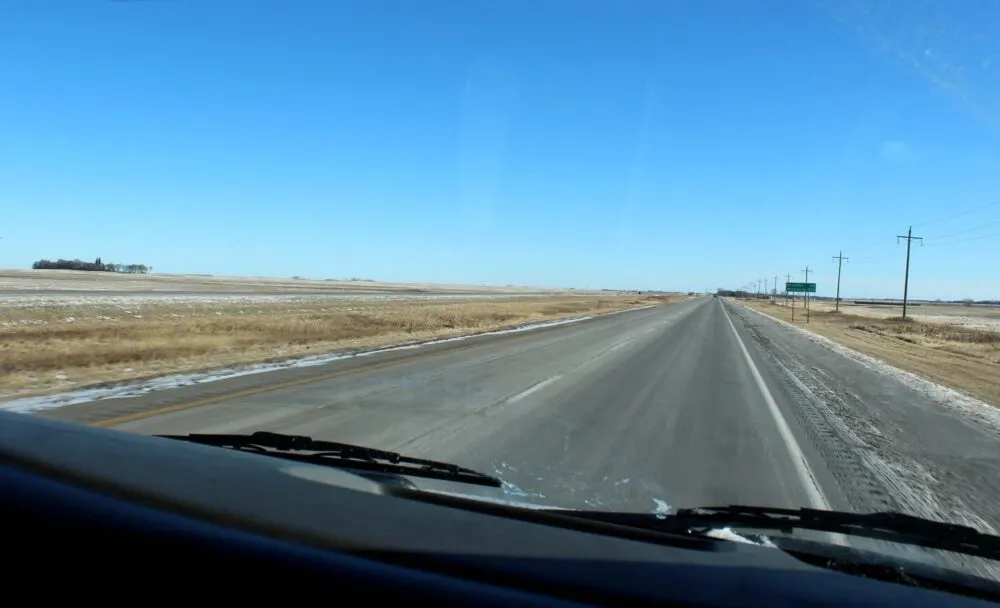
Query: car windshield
x,y
621,255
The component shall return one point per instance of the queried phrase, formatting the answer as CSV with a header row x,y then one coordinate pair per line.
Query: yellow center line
x,y
290,383
264,389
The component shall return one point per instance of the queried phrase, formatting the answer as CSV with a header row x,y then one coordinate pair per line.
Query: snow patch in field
x,y
972,408
134,389
138,300
977,323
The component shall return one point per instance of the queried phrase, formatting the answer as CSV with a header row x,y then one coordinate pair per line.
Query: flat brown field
x,y
88,341
958,347
79,280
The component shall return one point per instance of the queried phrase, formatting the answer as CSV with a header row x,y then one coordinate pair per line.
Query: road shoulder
x,y
889,443
919,451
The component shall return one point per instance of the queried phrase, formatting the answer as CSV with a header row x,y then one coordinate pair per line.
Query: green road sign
x,y
801,287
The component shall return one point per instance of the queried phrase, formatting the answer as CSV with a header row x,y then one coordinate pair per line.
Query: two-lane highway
x,y
692,403
700,402
638,410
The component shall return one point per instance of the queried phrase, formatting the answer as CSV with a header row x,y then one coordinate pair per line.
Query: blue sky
x,y
654,145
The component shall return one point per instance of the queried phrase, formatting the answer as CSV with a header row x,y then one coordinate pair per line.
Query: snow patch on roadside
x,y
972,408
134,389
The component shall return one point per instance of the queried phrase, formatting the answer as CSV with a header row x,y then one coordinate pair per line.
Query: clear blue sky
x,y
655,145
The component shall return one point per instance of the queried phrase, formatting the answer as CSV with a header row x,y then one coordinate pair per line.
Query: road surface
x,y
658,404
693,403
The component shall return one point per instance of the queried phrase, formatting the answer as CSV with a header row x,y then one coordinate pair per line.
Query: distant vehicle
x,y
715,295
289,512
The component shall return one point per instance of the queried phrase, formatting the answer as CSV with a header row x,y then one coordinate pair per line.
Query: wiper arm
x,y
344,455
886,526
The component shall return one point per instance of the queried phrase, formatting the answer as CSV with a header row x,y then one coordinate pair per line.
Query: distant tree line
x,y
731,293
96,265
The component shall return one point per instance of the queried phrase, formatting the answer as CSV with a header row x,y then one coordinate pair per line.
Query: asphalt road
x,y
700,402
632,411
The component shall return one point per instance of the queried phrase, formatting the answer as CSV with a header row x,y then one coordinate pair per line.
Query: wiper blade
x,y
886,526
344,455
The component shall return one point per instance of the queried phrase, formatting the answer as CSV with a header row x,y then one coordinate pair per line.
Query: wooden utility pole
x,y
906,278
840,260
807,294
788,279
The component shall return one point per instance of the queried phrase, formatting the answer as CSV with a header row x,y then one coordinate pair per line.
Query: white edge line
x,y
816,497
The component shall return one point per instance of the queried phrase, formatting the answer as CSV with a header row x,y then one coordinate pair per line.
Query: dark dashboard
x,y
97,511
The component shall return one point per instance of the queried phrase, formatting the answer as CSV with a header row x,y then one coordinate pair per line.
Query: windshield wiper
x,y
886,526
342,455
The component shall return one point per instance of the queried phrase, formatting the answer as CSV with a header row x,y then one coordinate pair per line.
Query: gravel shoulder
x,y
890,439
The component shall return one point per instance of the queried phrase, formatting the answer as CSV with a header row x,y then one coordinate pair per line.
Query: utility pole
x,y
906,279
788,279
776,277
807,294
840,260
765,288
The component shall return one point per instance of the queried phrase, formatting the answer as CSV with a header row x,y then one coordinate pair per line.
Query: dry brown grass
x,y
54,348
963,358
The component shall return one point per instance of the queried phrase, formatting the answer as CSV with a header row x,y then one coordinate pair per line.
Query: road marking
x,y
244,393
616,347
533,388
460,345
264,389
816,497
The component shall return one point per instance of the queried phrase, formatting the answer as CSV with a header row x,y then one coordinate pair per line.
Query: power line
x,y
967,230
975,238
906,278
840,261
873,260
960,214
